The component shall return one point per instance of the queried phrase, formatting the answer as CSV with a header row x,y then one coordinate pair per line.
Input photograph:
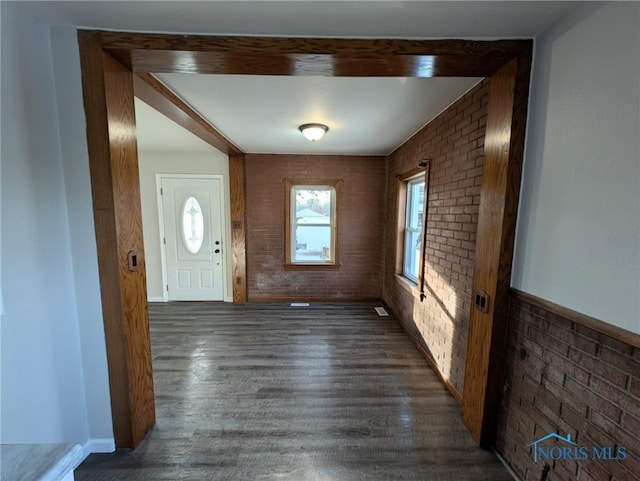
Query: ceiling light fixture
x,y
313,132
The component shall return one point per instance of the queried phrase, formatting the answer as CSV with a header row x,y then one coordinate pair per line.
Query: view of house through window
x,y
413,227
312,234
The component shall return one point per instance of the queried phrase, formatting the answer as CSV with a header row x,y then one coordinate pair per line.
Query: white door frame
x,y
223,233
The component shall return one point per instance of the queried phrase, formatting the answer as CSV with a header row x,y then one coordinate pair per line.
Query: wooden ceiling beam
x,y
309,56
158,96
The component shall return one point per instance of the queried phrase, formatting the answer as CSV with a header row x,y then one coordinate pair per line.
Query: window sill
x,y
408,285
311,267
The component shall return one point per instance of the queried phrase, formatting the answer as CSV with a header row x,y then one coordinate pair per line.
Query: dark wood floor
x,y
272,392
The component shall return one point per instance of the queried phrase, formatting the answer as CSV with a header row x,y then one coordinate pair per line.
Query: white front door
x,y
192,214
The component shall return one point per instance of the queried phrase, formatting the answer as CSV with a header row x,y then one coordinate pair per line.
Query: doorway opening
x,y
108,60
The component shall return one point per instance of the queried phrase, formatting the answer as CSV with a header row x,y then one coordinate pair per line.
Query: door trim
x,y
223,232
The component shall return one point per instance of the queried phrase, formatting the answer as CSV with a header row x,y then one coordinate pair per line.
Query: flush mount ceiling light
x,y
313,132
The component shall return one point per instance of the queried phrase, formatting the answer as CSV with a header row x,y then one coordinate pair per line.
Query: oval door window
x,y
192,225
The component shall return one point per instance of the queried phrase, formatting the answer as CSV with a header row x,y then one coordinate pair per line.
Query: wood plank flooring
x,y
273,392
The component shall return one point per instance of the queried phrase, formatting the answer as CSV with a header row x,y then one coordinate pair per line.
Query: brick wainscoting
x,y
563,377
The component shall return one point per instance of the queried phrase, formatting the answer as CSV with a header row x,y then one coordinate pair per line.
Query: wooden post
x,y
238,228
504,146
113,157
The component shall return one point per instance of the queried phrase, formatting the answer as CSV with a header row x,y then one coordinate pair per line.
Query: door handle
x,y
217,251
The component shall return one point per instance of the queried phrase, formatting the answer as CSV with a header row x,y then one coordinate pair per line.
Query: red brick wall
x,y
360,226
455,142
565,378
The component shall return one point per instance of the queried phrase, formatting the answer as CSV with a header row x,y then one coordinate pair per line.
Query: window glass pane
x,y
415,204
312,224
313,206
412,254
313,244
192,225
413,230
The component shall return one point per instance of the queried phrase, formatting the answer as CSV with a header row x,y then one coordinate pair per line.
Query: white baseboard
x,y
228,299
100,445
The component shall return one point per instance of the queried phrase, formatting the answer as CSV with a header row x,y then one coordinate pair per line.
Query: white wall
x,y
75,161
152,163
53,377
578,239
43,393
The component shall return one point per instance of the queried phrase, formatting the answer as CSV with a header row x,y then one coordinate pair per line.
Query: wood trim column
x,y
504,148
238,227
113,161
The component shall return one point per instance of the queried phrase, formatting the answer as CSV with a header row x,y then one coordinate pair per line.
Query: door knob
x,y
217,251
217,243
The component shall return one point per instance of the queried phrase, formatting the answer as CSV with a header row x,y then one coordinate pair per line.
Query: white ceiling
x,y
261,114
326,18
366,116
